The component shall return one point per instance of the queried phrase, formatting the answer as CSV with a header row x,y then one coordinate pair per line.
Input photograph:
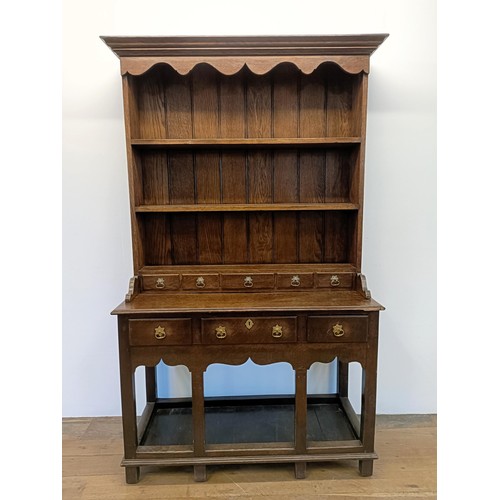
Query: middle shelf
x,y
244,207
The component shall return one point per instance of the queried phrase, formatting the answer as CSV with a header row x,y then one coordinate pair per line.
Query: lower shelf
x,y
268,421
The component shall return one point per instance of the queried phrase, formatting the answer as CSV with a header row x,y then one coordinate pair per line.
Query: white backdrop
x,y
400,187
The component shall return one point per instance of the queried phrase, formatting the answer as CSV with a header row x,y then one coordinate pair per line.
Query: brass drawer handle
x,y
295,281
248,282
338,330
334,280
160,332
277,331
220,332
160,283
200,282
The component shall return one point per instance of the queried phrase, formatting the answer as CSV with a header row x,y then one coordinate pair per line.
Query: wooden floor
x,y
406,468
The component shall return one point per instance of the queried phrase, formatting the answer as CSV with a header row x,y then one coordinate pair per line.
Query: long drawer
x,y
249,330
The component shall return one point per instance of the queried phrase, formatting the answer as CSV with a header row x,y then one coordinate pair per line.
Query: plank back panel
x,y
179,106
232,105
157,239
285,101
155,183
205,90
312,122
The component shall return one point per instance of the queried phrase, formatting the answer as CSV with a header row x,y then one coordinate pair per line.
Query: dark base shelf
x,y
248,420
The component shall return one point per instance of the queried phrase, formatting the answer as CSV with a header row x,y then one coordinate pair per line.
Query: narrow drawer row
x,y
247,330
246,281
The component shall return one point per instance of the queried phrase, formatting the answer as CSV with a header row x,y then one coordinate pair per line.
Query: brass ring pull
x,y
334,280
160,283
295,281
338,330
277,331
160,332
220,332
248,282
200,282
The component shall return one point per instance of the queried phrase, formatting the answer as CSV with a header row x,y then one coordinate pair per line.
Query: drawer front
x,y
291,281
247,281
334,280
337,328
161,282
248,330
154,332
200,281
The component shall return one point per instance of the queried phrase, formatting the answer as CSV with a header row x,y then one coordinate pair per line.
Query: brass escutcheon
x,y
277,331
220,332
248,282
160,283
200,282
160,332
295,281
338,330
334,280
249,323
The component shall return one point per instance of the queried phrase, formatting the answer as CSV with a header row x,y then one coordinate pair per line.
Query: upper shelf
x,y
244,142
259,53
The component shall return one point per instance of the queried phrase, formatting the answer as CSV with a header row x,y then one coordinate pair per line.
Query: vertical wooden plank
x,y
339,103
311,237
312,176
260,225
260,237
259,110
181,179
285,101
157,242
232,105
184,241
338,236
338,176
312,120
205,102
286,178
209,238
285,237
234,178
260,174
155,177
235,242
207,175
178,106
233,124
151,105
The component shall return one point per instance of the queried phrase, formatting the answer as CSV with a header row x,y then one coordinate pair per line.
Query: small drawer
x,y
161,282
247,281
247,330
337,328
334,280
147,332
200,281
294,280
